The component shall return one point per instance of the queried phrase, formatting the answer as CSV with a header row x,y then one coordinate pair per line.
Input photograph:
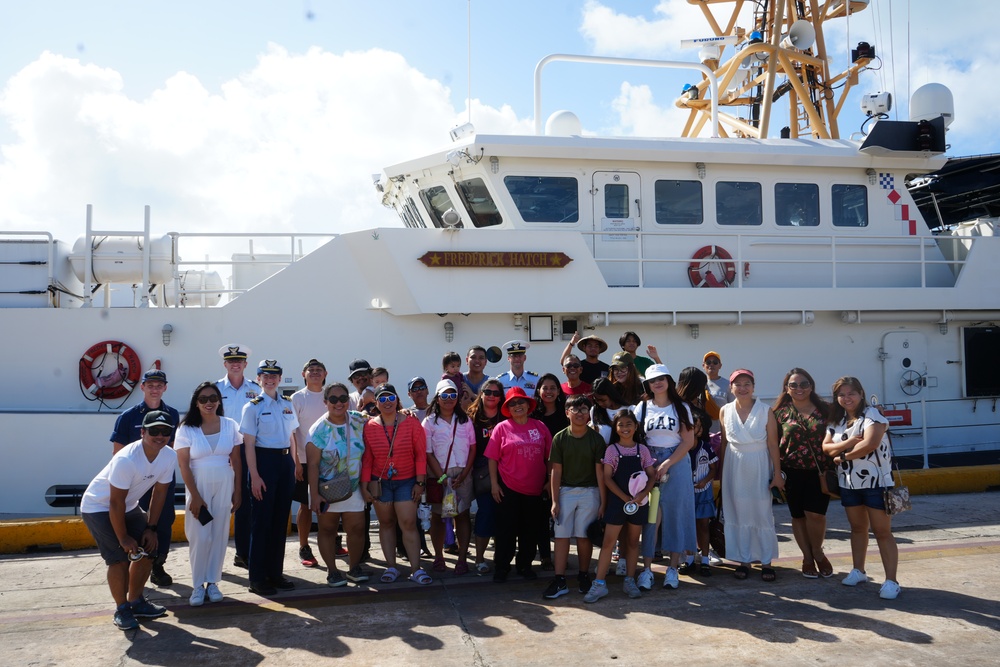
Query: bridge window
x,y
438,203
738,203
796,204
478,202
679,203
545,198
850,206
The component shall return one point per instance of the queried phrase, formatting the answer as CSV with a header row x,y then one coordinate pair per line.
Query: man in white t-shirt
x,y
125,534
309,407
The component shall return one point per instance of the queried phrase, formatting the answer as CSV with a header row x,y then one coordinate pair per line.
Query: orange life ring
x,y
705,255
115,383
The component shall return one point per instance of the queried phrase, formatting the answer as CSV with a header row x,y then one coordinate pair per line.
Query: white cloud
x,y
287,146
639,115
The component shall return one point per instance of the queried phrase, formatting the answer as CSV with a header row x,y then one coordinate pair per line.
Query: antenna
x,y
468,56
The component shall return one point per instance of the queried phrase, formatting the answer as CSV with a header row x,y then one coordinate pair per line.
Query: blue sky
x,y
238,115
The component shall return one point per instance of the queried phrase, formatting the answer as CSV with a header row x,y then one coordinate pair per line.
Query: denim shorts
x,y
868,497
397,490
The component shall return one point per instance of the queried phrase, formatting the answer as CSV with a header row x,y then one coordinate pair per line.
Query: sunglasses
x,y
333,400
513,403
159,431
421,387
448,395
805,384
386,398
573,365
713,362
492,392
205,400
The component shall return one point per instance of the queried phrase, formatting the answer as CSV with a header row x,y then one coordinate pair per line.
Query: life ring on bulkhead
x,y
701,276
122,377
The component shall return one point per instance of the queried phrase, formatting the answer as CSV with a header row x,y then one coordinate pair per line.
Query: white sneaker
x,y
671,580
890,590
854,578
713,558
622,569
214,594
197,597
645,580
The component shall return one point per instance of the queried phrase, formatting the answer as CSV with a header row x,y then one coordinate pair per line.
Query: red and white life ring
x,y
702,276
117,372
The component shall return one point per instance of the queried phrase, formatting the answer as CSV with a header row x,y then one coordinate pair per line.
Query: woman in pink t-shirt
x,y
518,454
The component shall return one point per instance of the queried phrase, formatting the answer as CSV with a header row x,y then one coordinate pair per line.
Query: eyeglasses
x,y
333,400
492,392
421,387
386,398
619,368
805,384
713,362
573,365
205,400
580,409
159,431
448,395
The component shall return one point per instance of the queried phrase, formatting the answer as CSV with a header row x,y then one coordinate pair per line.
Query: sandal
x,y
825,567
767,573
421,577
809,569
482,568
742,572
461,567
390,575
439,565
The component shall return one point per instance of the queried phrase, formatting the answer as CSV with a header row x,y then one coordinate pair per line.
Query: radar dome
x,y
563,124
930,101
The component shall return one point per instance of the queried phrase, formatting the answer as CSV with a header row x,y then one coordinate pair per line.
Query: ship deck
x,y
57,610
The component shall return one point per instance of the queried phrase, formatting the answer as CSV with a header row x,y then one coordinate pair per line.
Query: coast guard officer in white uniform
x,y
236,392
517,376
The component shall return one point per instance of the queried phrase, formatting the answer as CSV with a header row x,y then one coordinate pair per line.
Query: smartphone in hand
x,y
204,516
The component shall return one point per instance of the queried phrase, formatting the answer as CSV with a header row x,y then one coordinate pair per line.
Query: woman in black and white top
x,y
857,439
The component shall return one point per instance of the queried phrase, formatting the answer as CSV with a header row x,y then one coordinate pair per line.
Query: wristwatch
x,y
151,526
420,483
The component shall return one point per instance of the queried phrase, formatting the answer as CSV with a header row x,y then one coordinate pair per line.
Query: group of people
x,y
622,455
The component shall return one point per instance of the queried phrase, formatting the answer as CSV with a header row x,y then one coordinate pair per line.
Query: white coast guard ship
x,y
797,248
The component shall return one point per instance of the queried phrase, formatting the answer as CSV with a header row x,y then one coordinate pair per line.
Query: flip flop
x,y
742,572
809,569
767,573
825,567
421,577
390,575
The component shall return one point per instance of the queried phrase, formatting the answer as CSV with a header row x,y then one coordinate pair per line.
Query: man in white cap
x,y
236,392
517,376
125,534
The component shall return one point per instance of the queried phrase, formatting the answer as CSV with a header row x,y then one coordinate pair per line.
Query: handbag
x,y
896,498
341,486
481,482
435,489
717,530
829,483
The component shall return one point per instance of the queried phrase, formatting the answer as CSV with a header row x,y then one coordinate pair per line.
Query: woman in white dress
x,y
753,468
209,460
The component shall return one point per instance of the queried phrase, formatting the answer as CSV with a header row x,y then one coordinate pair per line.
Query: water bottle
x,y
424,514
654,504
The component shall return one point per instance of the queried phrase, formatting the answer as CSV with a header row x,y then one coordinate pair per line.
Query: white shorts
x,y
578,506
355,503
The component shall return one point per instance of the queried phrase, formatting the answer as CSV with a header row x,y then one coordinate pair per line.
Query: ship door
x,y
617,219
904,369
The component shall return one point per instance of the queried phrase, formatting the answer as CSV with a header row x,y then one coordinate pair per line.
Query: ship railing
x,y
255,256
761,260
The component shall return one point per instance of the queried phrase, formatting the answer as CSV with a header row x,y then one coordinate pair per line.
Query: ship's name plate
x,y
495,260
